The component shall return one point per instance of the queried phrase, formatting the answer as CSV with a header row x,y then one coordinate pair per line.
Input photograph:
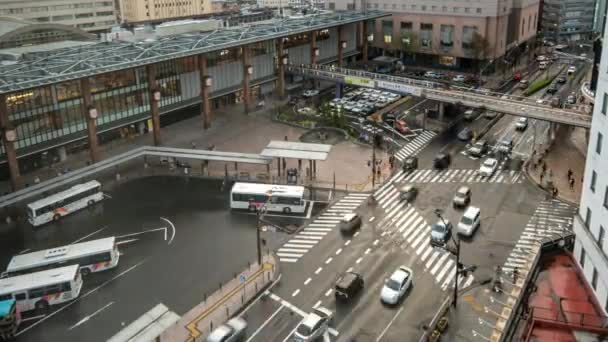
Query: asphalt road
x,y
208,245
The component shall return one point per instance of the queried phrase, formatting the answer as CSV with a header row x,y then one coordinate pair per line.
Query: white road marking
x,y
372,218
87,318
347,243
368,250
265,322
317,304
357,233
295,293
172,229
307,281
319,270
339,251
328,293
359,260
328,260
376,242
389,324
84,237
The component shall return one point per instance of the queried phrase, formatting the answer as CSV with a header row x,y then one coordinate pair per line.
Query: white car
x,y
521,124
397,285
310,93
571,70
488,167
314,325
431,74
231,331
458,78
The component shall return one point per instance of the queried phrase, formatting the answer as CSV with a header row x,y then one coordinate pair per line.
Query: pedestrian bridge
x,y
502,103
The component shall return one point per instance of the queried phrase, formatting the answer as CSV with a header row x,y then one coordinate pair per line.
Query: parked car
x,y
408,193
561,80
231,331
552,89
350,222
543,65
389,118
490,114
556,102
397,285
479,148
442,161
470,221
401,126
471,114
348,285
488,167
523,84
571,99
521,124
410,163
466,134
462,198
310,93
441,232
458,78
571,70
314,325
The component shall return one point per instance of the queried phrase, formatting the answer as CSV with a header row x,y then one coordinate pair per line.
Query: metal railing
x,y
520,106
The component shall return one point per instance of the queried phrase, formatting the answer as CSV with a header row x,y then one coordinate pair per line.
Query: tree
x,y
408,41
480,46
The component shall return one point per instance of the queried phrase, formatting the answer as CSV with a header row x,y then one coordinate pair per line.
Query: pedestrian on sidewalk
x,y
569,173
515,274
193,144
542,175
555,192
544,166
572,184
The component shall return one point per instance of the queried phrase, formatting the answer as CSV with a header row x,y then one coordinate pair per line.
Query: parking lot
x,y
173,233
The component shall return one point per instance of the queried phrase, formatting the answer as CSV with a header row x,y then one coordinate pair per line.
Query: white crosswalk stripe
x,y
314,232
461,176
413,147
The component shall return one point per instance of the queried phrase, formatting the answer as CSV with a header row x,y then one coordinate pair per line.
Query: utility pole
x,y
458,266
374,159
257,236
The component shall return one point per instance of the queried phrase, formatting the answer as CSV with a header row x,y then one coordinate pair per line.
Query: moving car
x,y
441,233
561,80
408,193
389,118
470,114
431,74
442,161
571,99
470,221
231,331
479,149
521,124
462,198
410,163
396,286
571,70
541,58
505,145
314,325
523,84
350,222
310,93
458,78
348,285
466,134
552,89
488,167
543,65
489,114
401,126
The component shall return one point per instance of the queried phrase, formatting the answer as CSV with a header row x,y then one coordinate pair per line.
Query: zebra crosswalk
x,y
459,176
310,236
404,225
416,145
551,219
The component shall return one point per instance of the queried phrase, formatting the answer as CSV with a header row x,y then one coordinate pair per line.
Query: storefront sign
x,y
400,88
359,81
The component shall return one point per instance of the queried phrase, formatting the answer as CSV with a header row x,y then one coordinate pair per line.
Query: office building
x,y
134,11
565,21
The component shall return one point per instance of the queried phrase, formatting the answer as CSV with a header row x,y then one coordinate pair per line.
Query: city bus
x,y
66,202
92,256
276,198
41,289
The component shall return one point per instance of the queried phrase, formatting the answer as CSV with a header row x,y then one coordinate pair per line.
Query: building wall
x,y
144,10
568,20
88,15
590,234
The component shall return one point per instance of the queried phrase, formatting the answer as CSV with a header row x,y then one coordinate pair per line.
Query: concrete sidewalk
x,y
228,300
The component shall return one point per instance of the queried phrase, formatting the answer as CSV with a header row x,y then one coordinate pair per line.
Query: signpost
x,y
399,87
359,81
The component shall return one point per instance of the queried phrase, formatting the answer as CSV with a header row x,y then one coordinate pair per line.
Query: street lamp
x,y
439,212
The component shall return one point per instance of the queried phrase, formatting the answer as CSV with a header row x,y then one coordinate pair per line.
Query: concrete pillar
x,y
279,167
268,169
8,140
90,116
299,165
310,169
441,110
154,112
338,90
313,47
62,152
314,169
364,43
205,87
340,52
236,166
246,79
280,70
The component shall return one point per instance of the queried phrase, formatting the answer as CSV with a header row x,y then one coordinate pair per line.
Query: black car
x,y
442,161
552,89
410,163
348,285
350,223
389,118
408,193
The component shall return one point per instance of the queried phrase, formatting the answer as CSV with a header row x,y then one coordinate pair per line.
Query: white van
x,y
543,65
470,221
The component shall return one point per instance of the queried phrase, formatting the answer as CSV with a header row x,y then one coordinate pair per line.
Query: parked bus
x,y
92,256
41,289
66,202
10,318
277,198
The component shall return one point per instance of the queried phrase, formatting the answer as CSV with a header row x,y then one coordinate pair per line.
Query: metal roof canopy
x,y
296,150
49,67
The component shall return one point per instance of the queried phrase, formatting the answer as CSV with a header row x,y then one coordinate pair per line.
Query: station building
x,y
55,100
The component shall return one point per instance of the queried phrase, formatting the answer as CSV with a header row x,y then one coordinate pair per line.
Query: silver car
x,y
397,285
314,325
231,331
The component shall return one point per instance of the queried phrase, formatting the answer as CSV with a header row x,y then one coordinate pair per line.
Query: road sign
x,y
242,278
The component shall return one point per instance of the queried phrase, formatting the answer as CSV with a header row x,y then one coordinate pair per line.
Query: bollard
x,y
249,264
227,312
205,297
211,326
242,299
256,287
220,286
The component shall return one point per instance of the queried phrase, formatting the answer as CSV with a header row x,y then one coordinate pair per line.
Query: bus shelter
x,y
297,150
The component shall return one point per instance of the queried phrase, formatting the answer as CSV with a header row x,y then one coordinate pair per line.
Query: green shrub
x,y
537,85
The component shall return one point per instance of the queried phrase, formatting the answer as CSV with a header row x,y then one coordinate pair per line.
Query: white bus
x,y
277,198
92,256
41,289
64,203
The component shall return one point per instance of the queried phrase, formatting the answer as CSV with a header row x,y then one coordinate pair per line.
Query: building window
x,y
600,237
446,34
598,144
594,279
456,9
423,7
583,256
593,179
394,6
588,217
444,8
387,31
406,25
604,103
479,11
467,10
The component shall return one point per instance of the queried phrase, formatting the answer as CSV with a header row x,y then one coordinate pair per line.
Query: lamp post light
x,y
208,81
343,44
92,112
250,70
156,95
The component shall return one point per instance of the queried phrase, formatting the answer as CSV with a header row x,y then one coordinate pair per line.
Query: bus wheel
x,y
42,306
287,210
252,208
85,271
56,217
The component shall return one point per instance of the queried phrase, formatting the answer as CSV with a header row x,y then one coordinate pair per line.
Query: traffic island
x,y
230,299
